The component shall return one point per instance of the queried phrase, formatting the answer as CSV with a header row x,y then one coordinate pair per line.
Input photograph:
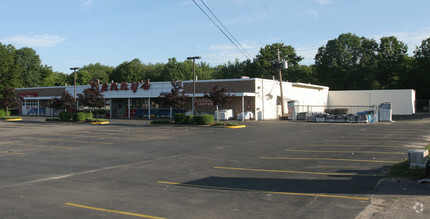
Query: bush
x,y
160,122
231,124
81,116
402,170
3,113
65,116
203,119
188,120
337,111
179,118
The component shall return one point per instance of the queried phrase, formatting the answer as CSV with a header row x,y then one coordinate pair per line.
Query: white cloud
x,y
410,38
221,54
86,4
323,2
313,13
34,40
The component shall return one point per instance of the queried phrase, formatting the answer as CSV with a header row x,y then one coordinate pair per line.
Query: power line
x,y
243,51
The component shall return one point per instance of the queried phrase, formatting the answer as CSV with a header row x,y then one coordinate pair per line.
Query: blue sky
x,y
68,33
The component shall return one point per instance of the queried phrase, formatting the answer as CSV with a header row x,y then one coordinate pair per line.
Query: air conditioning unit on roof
x,y
418,158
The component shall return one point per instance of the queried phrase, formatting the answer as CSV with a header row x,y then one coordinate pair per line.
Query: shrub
x,y
402,170
160,122
179,118
81,116
203,119
65,116
3,113
231,124
188,120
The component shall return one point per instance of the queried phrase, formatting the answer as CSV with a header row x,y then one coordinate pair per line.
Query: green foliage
x,y
65,116
31,63
160,122
203,119
179,118
189,119
82,116
4,113
231,124
99,71
402,170
10,68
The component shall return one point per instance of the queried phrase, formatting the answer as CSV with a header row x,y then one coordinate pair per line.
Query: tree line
x,y
344,63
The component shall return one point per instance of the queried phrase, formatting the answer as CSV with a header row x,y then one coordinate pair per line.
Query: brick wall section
x,y
44,92
229,86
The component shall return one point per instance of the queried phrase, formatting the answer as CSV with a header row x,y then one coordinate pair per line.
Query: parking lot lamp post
x,y
194,80
74,85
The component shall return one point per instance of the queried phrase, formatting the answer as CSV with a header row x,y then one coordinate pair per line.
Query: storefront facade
x,y
142,99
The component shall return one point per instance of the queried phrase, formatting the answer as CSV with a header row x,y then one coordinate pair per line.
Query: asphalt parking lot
x,y
270,169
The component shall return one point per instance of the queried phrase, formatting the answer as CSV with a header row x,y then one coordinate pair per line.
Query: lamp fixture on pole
x,y
194,80
74,85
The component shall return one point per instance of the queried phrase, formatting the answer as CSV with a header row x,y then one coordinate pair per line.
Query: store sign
x,y
203,101
27,95
114,86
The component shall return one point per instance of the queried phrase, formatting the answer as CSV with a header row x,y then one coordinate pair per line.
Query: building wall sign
x,y
203,101
27,94
114,86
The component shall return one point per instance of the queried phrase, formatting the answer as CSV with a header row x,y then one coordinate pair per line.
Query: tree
x,y
66,101
219,97
268,57
420,75
176,98
8,98
102,72
31,67
10,68
91,98
391,60
128,71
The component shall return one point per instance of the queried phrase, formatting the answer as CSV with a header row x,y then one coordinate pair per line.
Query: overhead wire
x,y
244,52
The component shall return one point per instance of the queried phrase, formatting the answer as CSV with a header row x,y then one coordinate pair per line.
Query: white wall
x,y
309,97
403,100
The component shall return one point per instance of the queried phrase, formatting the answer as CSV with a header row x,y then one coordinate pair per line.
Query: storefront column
x,y
129,108
25,108
38,107
149,108
110,108
243,108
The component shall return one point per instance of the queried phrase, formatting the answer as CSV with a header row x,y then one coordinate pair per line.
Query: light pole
x,y
74,85
194,79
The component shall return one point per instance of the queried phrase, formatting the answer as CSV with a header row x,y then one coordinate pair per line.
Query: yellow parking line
x,y
271,192
329,159
286,171
113,211
361,139
41,146
356,145
356,152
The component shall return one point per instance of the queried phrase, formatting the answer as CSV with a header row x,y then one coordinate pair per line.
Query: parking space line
x,y
356,152
41,146
330,159
7,152
361,139
113,211
271,192
354,145
287,171
66,140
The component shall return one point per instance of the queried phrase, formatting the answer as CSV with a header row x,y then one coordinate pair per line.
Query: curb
x,y
235,127
100,123
11,120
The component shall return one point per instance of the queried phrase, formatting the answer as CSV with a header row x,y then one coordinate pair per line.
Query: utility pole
x,y
280,83
194,80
